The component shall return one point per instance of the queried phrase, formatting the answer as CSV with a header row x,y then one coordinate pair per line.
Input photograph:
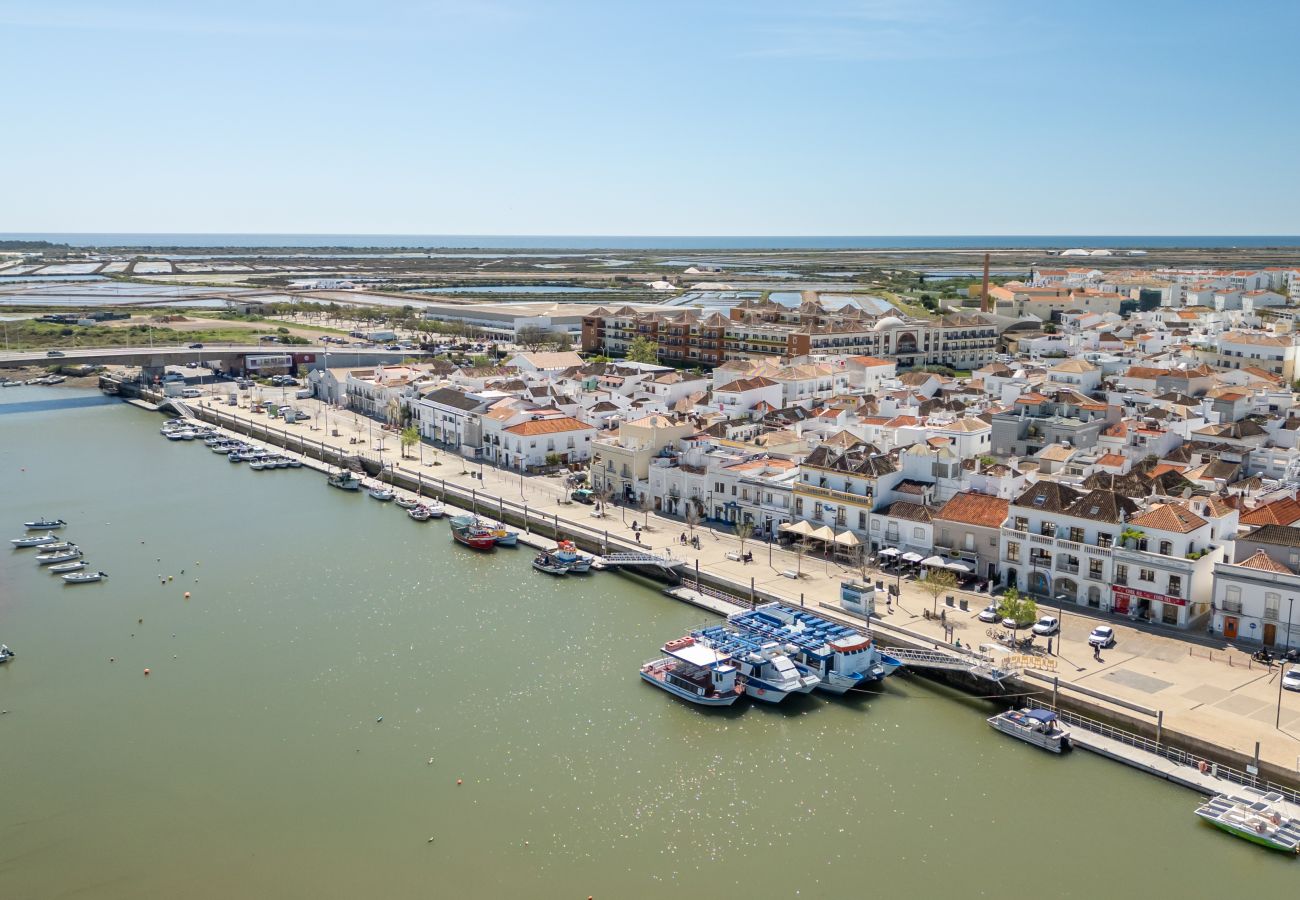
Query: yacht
x,y
696,673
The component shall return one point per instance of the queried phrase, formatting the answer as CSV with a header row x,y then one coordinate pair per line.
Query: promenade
x,y
1204,689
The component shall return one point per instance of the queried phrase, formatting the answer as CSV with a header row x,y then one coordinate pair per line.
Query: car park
x,y
1102,636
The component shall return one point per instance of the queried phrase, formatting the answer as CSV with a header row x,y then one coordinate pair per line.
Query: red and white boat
x,y
467,530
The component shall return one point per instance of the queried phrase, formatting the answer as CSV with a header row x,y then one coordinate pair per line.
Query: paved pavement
x,y
1203,688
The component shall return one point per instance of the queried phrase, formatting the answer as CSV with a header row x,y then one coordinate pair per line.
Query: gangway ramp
x,y
981,666
634,559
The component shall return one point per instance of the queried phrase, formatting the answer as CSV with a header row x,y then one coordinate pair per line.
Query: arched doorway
x,y
1039,584
1094,596
906,343
1066,588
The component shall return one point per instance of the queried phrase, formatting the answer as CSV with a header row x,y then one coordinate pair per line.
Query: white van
x,y
191,393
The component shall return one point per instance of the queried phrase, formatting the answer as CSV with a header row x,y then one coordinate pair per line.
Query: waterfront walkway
x,y
1210,693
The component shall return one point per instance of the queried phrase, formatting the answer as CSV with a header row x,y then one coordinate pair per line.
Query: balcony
x,y
841,496
1069,568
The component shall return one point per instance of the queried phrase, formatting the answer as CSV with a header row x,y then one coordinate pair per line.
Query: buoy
x,y
146,671
458,781
429,841
187,595
380,719
112,659
139,621
170,577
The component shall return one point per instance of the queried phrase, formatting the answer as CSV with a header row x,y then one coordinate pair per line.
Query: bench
x,y
790,573
733,555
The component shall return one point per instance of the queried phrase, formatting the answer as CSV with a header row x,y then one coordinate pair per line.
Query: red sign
x,y
1131,593
300,358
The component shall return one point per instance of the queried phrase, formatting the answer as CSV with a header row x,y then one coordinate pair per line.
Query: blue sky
x,y
512,117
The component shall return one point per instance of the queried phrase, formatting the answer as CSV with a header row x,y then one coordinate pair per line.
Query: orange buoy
x,y
146,671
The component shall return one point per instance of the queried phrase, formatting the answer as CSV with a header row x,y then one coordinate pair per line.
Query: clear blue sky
x,y
665,117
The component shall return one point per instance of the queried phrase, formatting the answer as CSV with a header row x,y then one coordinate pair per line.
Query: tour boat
x,y
5,653
45,523
841,657
419,513
567,553
382,494
545,562
767,673
84,577
696,673
345,480
1039,727
1254,816
407,502
47,538
73,566
49,559
466,530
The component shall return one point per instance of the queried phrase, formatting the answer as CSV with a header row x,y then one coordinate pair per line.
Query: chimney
x,y
984,294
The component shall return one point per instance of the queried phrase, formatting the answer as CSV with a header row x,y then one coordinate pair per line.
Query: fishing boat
x,y
507,537
843,658
45,523
345,480
696,673
435,508
49,559
767,673
1039,727
5,653
75,565
1255,816
57,547
47,538
408,502
382,494
567,553
419,513
467,530
84,577
545,562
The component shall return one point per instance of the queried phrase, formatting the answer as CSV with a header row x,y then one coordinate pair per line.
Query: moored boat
x,y
841,657
505,537
5,653
48,538
435,508
567,552
419,513
345,480
545,562
382,494
84,577
1256,816
466,530
1039,727
696,673
407,502
767,673
75,565
57,547
45,523
49,559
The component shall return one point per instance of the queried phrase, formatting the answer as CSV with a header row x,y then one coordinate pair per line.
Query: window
x,y
1175,586
862,520
1076,534
1013,551
798,506
1094,569
719,487
1021,523
1048,529
1121,573
875,524
1166,548
918,533
1146,575
1272,601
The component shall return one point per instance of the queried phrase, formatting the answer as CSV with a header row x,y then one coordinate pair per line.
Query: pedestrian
x,y
1049,646
683,539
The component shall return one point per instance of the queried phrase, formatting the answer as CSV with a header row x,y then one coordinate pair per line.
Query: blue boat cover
x,y
1041,715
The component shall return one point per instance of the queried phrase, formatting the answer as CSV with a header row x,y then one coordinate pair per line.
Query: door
x,y
1270,634
1229,627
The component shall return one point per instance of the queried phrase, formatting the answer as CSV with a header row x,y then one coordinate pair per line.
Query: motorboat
x,y
435,508
6,654
282,462
408,502
567,553
419,513
507,537
57,547
1256,816
545,562
8,382
767,673
47,538
259,464
49,559
842,657
45,523
84,577
467,530
695,673
1039,727
382,494
345,480
294,463
74,566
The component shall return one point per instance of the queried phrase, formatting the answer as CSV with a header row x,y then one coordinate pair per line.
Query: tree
x,y
643,350
1020,610
643,506
744,531
936,581
553,459
692,517
531,337
410,437
562,341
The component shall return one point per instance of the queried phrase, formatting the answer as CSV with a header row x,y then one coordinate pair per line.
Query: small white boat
x,y
45,523
407,502
74,566
5,653
419,513
84,577
49,559
435,508
10,383
383,495
258,464
1039,727
1255,816
59,547
48,538
295,463
345,480
544,562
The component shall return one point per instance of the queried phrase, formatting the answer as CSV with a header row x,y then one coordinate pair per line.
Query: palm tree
x,y
744,531
410,437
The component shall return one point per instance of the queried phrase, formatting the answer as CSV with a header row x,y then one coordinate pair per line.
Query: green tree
x,y
410,437
744,531
643,350
1021,610
553,459
936,581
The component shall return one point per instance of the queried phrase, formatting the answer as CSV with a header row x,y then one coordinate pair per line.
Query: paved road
x,y
163,354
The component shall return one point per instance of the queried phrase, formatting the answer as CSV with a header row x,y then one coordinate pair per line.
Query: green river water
x,y
250,763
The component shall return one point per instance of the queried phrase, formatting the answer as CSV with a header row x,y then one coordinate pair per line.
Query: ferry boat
x,y
767,673
545,562
567,553
696,673
467,530
84,577
345,480
842,658
45,523
1254,816
1039,727
47,538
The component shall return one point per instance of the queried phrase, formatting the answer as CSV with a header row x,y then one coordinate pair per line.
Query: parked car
x,y
582,495
196,346
1047,625
1014,625
989,613
1102,636
1291,679
54,353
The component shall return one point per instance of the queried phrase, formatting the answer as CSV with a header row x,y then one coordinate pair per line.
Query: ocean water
x,y
657,242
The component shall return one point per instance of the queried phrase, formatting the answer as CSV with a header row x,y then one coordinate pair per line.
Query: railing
x,y
1067,567
844,496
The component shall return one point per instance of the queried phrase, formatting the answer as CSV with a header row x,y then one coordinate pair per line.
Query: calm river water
x,y
252,762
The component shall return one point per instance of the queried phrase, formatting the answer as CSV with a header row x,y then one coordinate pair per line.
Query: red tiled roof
x,y
975,509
